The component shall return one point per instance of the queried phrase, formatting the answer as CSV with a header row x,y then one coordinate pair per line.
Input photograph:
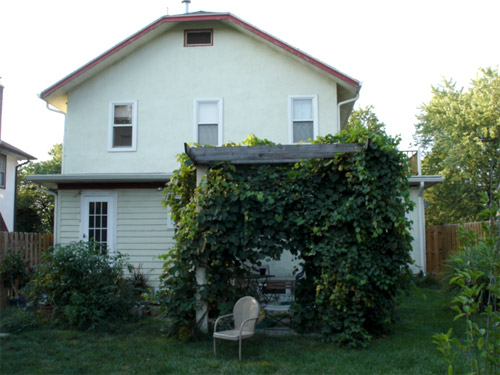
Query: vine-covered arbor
x,y
339,204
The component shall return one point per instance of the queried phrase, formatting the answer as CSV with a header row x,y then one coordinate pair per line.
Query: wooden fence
x,y
30,245
441,241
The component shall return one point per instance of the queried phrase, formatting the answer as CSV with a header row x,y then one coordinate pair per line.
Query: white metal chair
x,y
245,315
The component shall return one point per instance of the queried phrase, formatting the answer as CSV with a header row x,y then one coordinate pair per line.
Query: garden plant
x,y
476,281
84,284
13,272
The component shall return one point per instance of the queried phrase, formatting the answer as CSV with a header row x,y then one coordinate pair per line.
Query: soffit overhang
x,y
428,180
54,180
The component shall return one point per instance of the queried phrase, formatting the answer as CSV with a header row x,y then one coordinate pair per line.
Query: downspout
x,y
15,192
421,214
62,169
55,208
341,104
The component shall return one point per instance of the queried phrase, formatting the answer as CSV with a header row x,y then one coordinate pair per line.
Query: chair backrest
x,y
246,308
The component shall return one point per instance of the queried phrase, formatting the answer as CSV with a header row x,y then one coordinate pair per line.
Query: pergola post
x,y
201,274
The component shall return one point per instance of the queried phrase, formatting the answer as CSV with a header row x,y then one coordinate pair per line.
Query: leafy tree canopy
x,y
34,209
460,132
367,118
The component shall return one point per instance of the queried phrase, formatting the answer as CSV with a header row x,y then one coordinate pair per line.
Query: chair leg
x,y
240,349
215,350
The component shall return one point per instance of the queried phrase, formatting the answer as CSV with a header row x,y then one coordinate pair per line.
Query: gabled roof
x,y
8,149
56,94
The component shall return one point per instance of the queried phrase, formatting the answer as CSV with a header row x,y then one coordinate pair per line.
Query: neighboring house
x,y
9,161
10,157
200,77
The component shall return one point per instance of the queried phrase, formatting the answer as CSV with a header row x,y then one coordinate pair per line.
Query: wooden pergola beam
x,y
279,154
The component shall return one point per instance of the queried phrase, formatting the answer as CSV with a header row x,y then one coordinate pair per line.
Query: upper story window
x,y
303,118
194,38
3,170
208,121
123,126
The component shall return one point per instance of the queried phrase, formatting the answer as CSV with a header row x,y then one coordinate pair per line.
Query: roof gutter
x,y
341,104
52,109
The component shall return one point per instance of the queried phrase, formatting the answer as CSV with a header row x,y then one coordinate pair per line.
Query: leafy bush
x,y
15,320
85,285
470,257
13,271
344,217
476,280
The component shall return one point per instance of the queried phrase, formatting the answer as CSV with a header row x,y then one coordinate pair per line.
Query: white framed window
x,y
208,121
122,126
3,171
303,118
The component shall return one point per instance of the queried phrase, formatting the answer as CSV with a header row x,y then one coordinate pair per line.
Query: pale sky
x,y
396,48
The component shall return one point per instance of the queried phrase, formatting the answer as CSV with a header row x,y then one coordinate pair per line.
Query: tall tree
x,y
460,133
367,118
34,209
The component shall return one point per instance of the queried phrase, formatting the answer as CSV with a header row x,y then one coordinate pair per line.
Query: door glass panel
x,y
98,222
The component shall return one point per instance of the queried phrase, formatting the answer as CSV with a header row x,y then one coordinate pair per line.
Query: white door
x,y
98,219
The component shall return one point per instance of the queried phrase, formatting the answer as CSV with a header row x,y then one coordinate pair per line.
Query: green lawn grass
x,y
141,348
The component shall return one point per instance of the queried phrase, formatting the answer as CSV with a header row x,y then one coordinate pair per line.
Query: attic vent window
x,y
193,38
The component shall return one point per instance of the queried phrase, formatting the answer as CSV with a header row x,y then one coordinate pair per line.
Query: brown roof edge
x,y
200,17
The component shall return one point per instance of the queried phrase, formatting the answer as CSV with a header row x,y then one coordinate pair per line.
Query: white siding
x,y
68,214
142,231
416,253
7,194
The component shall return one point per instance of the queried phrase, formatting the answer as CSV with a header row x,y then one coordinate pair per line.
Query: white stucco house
x,y
10,159
199,77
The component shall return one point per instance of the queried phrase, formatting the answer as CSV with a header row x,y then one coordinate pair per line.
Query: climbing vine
x,y
343,217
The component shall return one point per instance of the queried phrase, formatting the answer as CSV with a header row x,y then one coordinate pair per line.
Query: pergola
x,y
203,157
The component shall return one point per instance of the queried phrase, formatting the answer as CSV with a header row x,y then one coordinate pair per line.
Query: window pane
x,y
302,109
122,136
198,37
123,114
302,131
208,113
104,208
3,170
208,134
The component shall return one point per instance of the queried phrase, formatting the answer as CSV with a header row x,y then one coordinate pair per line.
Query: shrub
x,y
13,272
476,278
85,285
475,257
15,320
